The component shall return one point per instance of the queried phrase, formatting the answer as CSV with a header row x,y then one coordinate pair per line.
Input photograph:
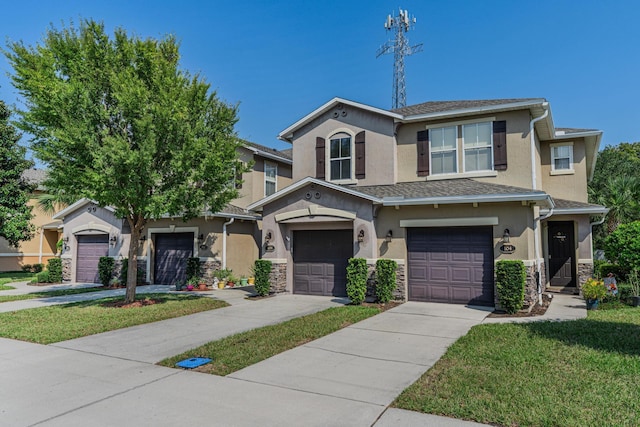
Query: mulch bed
x,y
537,310
136,303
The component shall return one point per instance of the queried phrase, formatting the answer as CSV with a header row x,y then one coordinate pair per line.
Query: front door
x,y
562,266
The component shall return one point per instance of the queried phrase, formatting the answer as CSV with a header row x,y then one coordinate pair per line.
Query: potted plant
x,y
244,281
192,283
232,280
634,283
593,291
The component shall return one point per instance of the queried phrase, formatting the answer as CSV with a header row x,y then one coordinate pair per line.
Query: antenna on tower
x,y
400,48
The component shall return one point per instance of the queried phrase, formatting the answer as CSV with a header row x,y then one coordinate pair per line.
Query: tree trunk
x,y
137,226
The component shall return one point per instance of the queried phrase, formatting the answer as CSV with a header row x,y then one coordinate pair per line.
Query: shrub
x,y
37,268
43,277
124,270
623,246
27,268
262,270
54,267
105,269
386,279
633,279
511,278
193,268
606,268
597,266
357,280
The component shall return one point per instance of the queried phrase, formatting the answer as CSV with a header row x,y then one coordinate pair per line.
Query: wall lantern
x,y
113,240
200,237
361,236
65,239
505,236
389,236
268,237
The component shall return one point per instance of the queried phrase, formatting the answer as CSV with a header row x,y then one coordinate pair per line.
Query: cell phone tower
x,y
400,47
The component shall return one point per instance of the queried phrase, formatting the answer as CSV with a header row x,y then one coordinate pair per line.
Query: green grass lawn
x,y
579,373
247,348
48,294
63,322
14,276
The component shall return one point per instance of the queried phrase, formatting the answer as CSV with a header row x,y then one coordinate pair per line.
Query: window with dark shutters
x,y
423,153
500,145
320,166
360,155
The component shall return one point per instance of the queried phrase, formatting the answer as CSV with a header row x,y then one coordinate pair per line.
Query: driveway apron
x,y
373,360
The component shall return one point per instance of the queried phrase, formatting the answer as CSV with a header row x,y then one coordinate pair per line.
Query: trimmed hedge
x,y
622,246
357,280
386,279
105,269
605,268
54,267
193,268
511,278
43,277
262,270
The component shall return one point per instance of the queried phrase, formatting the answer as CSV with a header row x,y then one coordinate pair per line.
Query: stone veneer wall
x,y
531,287
585,271
399,294
207,268
66,269
278,278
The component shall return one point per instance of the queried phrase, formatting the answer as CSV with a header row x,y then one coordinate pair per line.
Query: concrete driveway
x,y
347,378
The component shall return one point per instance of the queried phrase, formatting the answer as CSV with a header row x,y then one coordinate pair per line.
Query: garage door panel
x,y
171,253
452,264
90,249
324,255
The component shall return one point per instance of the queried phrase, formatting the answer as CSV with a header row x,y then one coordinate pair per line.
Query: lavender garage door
x,y
320,260
90,249
171,253
451,265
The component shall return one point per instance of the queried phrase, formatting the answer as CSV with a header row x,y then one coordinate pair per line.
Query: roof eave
x,y
485,198
268,155
473,110
578,211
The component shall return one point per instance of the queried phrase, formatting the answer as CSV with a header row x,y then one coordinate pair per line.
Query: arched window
x,y
340,157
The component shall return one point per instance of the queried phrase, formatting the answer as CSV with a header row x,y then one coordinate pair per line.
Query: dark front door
x,y
90,249
451,265
320,259
171,253
562,266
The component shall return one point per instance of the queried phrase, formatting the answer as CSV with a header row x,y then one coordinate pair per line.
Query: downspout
x,y
591,224
40,253
224,242
536,238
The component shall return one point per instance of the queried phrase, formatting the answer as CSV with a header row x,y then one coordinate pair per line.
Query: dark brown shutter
x,y
360,155
320,169
500,145
423,153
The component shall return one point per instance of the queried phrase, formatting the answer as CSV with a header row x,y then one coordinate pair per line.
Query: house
x,y
446,189
225,239
42,245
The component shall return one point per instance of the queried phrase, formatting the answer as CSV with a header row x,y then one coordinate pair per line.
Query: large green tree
x,y
118,121
616,185
15,214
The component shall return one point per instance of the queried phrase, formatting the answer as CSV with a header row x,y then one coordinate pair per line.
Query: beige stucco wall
x,y
253,185
514,216
380,150
28,252
571,186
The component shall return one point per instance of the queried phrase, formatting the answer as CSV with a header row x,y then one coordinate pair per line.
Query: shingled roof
x,y
285,154
441,188
34,176
442,106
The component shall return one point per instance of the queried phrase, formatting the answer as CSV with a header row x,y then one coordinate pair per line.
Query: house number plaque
x,y
507,248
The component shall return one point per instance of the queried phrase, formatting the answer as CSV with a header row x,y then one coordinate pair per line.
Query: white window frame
x,y
332,135
432,151
490,147
268,179
555,171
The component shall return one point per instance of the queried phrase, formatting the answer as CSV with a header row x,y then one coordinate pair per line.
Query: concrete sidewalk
x,y
563,307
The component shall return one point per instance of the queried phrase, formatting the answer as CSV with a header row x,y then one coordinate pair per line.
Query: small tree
x,y
386,279
105,269
262,270
511,278
54,269
357,280
15,213
623,246
193,268
119,122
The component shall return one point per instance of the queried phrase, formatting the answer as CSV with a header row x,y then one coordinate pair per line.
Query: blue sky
x,y
282,59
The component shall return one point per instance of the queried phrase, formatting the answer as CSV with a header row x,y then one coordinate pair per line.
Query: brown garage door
x,y
171,253
452,265
320,260
90,249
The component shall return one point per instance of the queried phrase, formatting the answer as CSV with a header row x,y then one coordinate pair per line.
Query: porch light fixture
x,y
113,240
505,236
268,237
200,237
65,239
361,236
389,236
